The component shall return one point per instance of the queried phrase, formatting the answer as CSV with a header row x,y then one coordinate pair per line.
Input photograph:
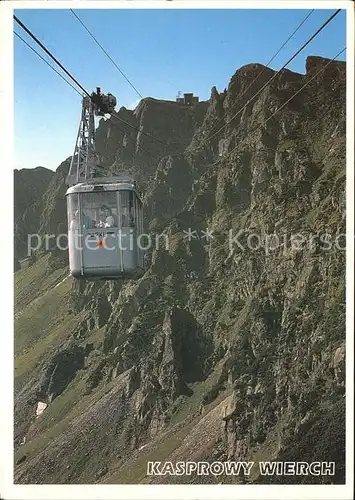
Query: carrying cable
x,y
305,85
50,55
288,100
138,130
225,125
269,62
49,64
277,73
125,134
81,87
105,52
76,90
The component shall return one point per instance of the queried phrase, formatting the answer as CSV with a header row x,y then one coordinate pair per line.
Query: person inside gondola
x,y
74,223
107,217
86,221
110,219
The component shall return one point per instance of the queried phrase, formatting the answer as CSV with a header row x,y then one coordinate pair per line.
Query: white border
x,y
10,491
180,4
350,161
7,148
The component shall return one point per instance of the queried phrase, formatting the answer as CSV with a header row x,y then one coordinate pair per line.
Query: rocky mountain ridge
x,y
226,348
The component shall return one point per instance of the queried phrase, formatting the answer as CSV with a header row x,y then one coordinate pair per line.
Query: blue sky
x,y
160,51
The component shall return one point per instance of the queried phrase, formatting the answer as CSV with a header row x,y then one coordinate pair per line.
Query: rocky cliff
x,y
232,344
29,187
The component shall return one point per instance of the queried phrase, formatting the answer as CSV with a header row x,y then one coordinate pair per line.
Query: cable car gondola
x,y
105,217
105,222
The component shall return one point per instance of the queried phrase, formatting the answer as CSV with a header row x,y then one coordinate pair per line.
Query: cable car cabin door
x,y
110,235
102,256
110,253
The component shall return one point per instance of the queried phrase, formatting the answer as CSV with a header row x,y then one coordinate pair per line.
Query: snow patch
x,y
40,408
